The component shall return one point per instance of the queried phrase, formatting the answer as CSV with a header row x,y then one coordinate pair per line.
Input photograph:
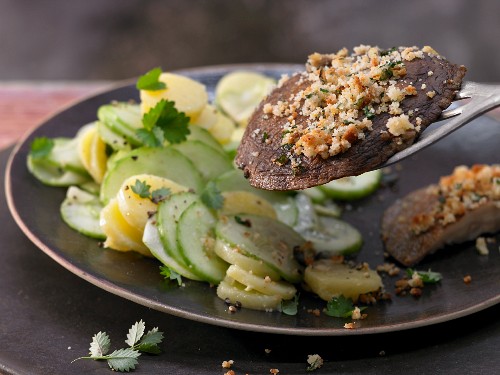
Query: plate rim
x,y
110,287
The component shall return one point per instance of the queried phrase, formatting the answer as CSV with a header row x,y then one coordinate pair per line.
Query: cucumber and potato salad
x,y
157,177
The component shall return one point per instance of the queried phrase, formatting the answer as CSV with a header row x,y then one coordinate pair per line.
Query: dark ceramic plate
x,y
35,208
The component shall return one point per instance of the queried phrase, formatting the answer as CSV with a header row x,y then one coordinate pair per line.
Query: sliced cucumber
x,y
238,94
152,240
54,175
235,292
198,134
123,119
316,194
195,239
210,162
283,203
333,236
169,212
81,211
329,279
264,285
266,239
111,137
163,162
356,187
233,255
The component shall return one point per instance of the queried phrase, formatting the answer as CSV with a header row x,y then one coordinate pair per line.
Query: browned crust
x,y
258,158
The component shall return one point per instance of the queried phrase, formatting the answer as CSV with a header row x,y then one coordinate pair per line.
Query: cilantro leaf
x,y
123,359
135,333
212,197
41,147
290,307
160,194
100,344
141,188
150,81
151,138
170,274
150,118
428,277
340,307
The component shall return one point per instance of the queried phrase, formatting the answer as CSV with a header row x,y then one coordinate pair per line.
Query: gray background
x,y
118,39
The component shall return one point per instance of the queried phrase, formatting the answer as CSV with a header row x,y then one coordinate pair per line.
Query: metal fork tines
x,y
482,98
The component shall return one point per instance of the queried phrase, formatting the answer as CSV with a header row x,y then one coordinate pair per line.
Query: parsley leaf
x,y
290,307
141,188
125,359
428,277
150,81
160,194
170,274
212,197
41,147
340,307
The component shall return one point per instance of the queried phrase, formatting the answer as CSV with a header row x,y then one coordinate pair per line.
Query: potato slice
x,y
223,129
189,95
120,235
264,285
328,279
207,118
135,209
235,292
92,152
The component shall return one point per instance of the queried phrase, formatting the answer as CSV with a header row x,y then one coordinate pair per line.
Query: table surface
x,y
48,315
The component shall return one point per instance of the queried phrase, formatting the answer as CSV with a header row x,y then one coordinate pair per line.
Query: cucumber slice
x,y
198,134
111,137
163,162
123,119
328,279
233,255
283,203
237,94
53,175
316,194
169,212
265,239
81,211
152,240
210,162
235,292
195,240
355,187
332,237
263,285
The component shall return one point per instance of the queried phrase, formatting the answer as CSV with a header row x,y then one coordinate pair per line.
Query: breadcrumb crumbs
x,y
227,364
350,325
467,279
274,371
314,361
482,246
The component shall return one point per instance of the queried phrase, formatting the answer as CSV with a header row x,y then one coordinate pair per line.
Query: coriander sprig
x,y
125,359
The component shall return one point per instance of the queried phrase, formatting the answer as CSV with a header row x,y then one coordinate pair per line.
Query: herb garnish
x,y
150,81
163,122
141,188
41,147
160,194
125,359
368,113
212,197
428,277
170,274
290,307
341,307
246,223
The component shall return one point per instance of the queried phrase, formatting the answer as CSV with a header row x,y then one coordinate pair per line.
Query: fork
x,y
483,97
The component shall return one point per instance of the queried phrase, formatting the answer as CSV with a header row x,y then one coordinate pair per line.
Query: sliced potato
x,y
207,118
120,235
238,202
223,129
189,95
135,209
329,279
233,256
92,152
264,285
235,292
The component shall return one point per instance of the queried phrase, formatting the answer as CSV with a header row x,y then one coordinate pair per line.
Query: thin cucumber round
x,y
123,119
266,239
53,175
152,240
169,212
354,187
81,211
195,239
163,162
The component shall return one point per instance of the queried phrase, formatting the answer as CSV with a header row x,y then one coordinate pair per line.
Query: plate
x,y
35,208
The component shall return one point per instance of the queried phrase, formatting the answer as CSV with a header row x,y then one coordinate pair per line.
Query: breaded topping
x,y
464,190
344,94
